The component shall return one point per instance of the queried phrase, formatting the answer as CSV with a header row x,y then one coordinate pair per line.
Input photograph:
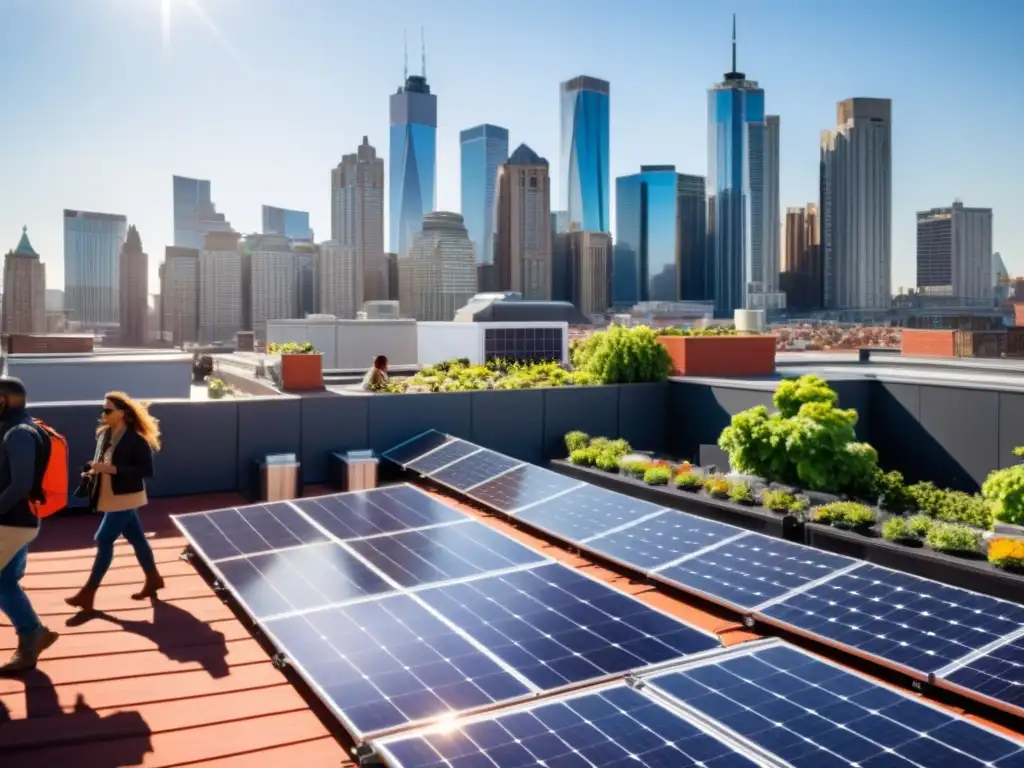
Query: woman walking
x,y
126,439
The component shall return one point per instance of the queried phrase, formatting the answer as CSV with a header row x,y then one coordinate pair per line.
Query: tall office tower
x,y
357,213
269,282
801,274
438,276
522,247
339,280
194,213
283,221
24,299
584,163
588,259
133,271
559,222
735,186
221,304
1000,278
484,149
768,237
413,157
692,262
392,260
954,252
55,299
305,277
92,247
856,206
179,295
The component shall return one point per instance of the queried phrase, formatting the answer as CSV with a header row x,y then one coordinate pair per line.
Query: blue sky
x,y
264,96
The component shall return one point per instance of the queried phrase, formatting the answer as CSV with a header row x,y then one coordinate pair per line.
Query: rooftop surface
x,y
184,681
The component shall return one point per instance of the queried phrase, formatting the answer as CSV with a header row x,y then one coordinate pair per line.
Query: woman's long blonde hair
x,y
137,417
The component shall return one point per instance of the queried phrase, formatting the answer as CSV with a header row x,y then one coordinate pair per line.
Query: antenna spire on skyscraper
x,y
423,53
405,46
734,42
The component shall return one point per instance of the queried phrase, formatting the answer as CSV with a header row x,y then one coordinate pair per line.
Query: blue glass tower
x,y
585,178
735,186
484,149
413,160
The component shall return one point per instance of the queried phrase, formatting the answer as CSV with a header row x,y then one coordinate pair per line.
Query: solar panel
x,y
916,623
411,449
382,510
752,570
556,626
662,539
586,512
388,662
608,728
451,451
476,468
415,558
522,487
247,530
812,713
298,579
997,675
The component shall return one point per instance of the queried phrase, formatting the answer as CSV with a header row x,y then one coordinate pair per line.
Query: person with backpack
x,y
126,439
25,454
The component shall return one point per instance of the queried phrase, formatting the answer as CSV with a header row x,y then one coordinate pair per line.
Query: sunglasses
x,y
107,411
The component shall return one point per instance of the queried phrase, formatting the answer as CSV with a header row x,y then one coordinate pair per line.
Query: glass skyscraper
x,y
735,186
413,160
195,215
282,221
484,149
92,249
585,179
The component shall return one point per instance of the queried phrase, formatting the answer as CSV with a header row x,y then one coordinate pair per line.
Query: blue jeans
x,y
113,526
13,600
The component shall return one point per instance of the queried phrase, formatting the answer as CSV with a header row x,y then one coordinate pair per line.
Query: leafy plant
x,y
607,460
1006,553
893,495
583,457
906,529
919,525
622,355
845,514
714,330
657,476
1004,488
782,501
689,481
740,492
716,486
634,468
215,388
292,348
951,506
950,537
576,440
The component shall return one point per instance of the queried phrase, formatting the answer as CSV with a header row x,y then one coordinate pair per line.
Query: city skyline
x,y
120,165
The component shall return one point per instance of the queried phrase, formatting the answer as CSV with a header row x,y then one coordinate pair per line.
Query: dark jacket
x,y
134,461
20,449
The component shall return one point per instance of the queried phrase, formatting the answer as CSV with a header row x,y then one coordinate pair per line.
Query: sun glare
x,y
165,22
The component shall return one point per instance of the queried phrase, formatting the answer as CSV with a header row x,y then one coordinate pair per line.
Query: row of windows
x,y
523,344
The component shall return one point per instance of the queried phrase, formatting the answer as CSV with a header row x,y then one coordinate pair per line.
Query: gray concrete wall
x,y
64,379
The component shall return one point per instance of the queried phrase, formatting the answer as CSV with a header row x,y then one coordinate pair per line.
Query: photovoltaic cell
x,y
415,558
446,454
607,729
299,579
999,674
388,662
662,539
585,512
248,530
416,447
918,623
813,714
521,487
475,468
382,510
752,570
555,626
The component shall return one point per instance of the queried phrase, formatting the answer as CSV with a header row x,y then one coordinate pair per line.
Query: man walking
x,y
24,451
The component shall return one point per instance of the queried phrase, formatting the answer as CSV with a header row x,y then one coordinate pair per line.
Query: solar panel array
x,y
950,636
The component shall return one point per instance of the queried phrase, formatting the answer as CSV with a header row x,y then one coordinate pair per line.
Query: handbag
x,y
87,482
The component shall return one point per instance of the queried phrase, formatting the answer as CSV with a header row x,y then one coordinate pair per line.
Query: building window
x,y
523,344
533,182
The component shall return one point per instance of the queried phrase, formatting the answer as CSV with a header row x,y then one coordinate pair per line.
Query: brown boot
x,y
154,583
27,654
83,599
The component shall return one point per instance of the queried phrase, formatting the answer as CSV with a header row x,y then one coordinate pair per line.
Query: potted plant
x,y
301,366
718,352
1004,489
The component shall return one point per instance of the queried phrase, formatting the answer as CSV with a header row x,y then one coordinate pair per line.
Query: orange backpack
x,y
52,494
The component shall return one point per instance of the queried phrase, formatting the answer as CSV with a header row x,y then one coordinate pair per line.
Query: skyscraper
x,y
693,264
221,294
438,276
588,257
133,269
954,252
769,252
856,206
339,280
522,249
284,221
357,214
584,163
484,149
801,274
735,186
92,248
270,282
179,295
194,212
413,156
24,299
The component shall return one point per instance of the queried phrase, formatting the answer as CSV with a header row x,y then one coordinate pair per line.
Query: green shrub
x,y
657,476
622,355
781,501
291,348
607,460
949,537
906,528
951,506
689,481
576,440
633,468
215,388
892,494
716,486
584,457
1004,488
919,525
845,514
740,492
714,330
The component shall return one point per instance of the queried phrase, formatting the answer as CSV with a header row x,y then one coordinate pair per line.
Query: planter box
x,y
757,519
720,355
976,575
927,343
302,373
1008,531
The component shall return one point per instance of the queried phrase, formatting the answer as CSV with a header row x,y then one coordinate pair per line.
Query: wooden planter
x,y
302,373
720,355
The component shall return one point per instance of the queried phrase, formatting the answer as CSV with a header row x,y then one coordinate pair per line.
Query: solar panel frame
x,y
437,459
445,475
535,517
950,678
428,436
478,492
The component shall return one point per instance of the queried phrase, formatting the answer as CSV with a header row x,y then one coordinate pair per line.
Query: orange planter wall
x,y
720,355
928,343
302,373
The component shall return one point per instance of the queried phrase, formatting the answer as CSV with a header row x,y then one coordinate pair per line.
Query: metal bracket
x,y
187,554
279,660
748,621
